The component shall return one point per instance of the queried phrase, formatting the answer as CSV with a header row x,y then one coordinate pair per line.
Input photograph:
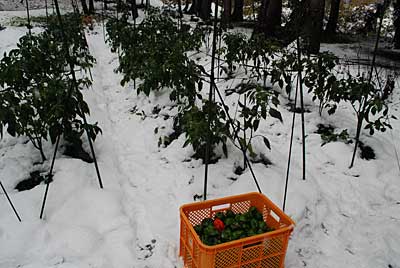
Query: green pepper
x,y
198,229
237,226
220,215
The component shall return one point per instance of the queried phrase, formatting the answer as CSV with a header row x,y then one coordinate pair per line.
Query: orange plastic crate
x,y
266,250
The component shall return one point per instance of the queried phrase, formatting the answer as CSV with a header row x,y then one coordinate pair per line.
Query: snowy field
x,y
344,217
18,5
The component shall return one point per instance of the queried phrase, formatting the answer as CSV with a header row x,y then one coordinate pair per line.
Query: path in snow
x,y
131,161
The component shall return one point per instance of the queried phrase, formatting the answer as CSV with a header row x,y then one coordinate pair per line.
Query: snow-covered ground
x,y
344,217
18,5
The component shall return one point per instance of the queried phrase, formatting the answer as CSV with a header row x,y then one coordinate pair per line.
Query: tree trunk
x,y
333,17
91,7
273,17
186,8
305,20
262,14
201,8
85,7
227,11
397,24
205,9
237,10
193,10
313,25
269,17
295,25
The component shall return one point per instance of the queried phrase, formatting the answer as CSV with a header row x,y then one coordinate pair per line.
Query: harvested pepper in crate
x,y
228,226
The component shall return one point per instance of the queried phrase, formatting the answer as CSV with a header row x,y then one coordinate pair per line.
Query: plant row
x,y
158,51
40,96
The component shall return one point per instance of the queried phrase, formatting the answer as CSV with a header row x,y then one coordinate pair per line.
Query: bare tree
x,y
84,7
273,16
237,14
91,7
227,10
269,17
333,17
86,10
262,21
201,8
195,7
313,25
205,9
306,20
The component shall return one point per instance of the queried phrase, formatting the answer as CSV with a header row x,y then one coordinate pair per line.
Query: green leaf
x,y
255,124
275,113
280,82
266,142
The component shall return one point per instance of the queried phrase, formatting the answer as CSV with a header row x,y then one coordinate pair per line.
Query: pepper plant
x,y
362,92
259,102
365,98
254,54
196,122
37,98
321,80
155,51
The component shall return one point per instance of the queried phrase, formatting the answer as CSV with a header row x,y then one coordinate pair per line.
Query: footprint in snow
x,y
147,250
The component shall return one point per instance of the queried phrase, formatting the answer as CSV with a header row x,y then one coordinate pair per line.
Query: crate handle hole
x,y
221,207
252,245
275,216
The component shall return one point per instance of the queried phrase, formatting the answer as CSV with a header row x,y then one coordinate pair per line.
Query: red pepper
x,y
219,225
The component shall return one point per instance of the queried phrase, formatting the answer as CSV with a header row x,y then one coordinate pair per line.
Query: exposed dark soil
x,y
76,151
297,109
238,170
35,178
201,154
367,152
325,129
